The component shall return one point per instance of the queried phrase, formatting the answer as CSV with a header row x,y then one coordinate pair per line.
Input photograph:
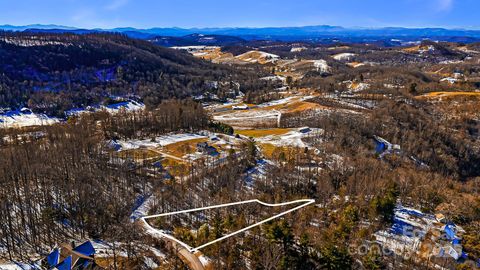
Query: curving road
x,y
183,253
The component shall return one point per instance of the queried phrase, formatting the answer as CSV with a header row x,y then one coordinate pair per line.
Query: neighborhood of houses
x,y
414,234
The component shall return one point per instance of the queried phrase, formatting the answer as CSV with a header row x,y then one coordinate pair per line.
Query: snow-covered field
x,y
343,56
249,118
292,138
128,106
258,57
321,65
284,101
159,141
25,118
265,114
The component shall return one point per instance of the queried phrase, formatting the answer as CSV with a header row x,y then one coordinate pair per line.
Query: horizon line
x,y
60,26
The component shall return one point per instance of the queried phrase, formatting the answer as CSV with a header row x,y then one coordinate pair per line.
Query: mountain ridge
x,y
265,32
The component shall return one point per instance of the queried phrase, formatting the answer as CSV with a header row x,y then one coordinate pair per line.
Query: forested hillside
x,y
55,72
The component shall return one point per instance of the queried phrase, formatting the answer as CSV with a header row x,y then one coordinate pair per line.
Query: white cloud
x,y
116,4
444,5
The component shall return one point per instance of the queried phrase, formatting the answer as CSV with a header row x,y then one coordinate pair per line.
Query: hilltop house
x,y
206,149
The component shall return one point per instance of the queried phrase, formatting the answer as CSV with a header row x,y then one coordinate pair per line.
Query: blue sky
x,y
242,13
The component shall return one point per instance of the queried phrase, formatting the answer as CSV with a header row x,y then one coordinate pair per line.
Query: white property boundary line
x,y
304,201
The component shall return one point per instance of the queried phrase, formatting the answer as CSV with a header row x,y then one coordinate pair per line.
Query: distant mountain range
x,y
278,33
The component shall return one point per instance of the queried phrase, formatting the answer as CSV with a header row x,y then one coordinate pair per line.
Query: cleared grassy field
x,y
416,49
301,106
271,151
268,149
449,94
183,148
241,104
138,154
176,167
256,133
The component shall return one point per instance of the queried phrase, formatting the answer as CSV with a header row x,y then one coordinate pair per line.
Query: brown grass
x,y
122,262
268,149
413,49
140,153
257,55
301,106
256,133
240,104
355,64
271,151
448,94
214,54
176,167
180,149
339,48
294,75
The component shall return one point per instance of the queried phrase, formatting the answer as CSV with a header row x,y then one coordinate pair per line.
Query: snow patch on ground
x,y
276,102
128,106
248,114
292,138
274,78
150,263
25,118
194,48
159,141
106,250
204,260
16,266
343,56
321,65
143,208
32,42
257,172
257,57
298,49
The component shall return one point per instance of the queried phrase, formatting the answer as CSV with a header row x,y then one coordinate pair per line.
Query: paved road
x,y
189,258
185,255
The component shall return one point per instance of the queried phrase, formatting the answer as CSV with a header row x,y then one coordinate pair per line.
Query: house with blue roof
x,y
383,147
69,257
431,237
